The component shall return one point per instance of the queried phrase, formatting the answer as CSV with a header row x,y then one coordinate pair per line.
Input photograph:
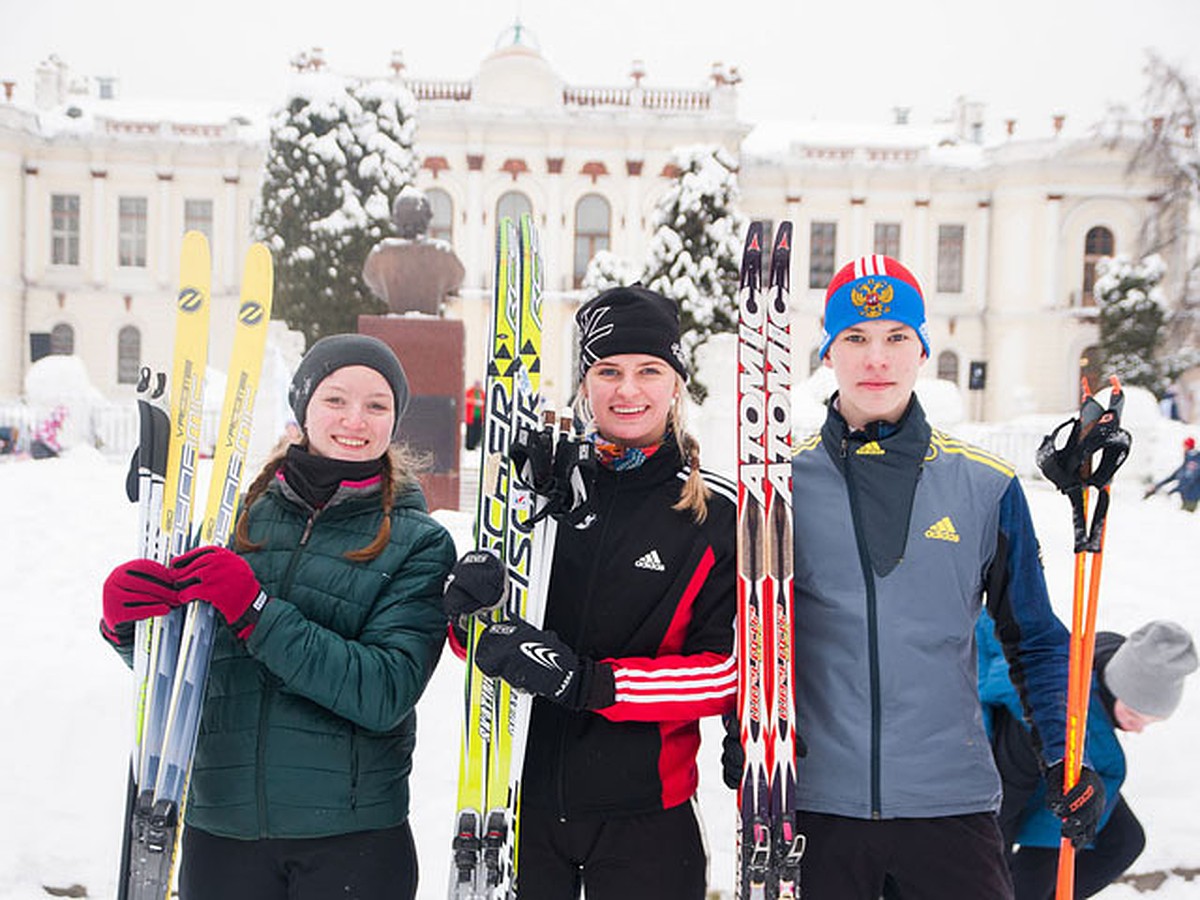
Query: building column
x,y
227,239
40,237
1053,260
99,241
983,239
162,265
479,246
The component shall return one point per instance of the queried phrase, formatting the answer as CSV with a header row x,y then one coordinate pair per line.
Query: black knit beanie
x,y
338,351
630,319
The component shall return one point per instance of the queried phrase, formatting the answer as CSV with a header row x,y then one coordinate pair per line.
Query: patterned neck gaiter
x,y
619,458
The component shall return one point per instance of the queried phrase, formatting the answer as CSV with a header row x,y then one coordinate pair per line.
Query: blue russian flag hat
x,y
873,288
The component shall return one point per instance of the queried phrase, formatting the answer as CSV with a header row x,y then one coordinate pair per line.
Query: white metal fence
x,y
112,427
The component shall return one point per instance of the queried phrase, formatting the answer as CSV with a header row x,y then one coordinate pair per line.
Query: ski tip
x,y
783,236
754,238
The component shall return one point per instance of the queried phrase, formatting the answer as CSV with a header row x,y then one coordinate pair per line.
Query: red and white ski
x,y
769,847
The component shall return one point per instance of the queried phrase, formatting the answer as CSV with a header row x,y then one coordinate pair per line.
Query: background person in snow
x,y
300,783
1186,478
1138,681
639,618
900,531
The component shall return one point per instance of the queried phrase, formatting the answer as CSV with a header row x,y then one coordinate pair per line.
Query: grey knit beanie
x,y
338,351
1147,671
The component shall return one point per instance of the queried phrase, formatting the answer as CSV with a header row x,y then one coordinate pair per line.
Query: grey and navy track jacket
x,y
900,533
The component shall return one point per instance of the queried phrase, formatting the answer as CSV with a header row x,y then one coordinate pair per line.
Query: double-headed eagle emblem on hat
x,y
872,297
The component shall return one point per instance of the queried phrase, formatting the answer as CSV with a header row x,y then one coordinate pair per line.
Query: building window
x,y
887,239
947,366
62,340
129,355
513,205
593,225
950,259
64,229
198,216
131,232
441,225
822,253
1097,244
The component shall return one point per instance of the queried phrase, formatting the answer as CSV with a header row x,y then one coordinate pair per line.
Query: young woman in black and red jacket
x,y
640,613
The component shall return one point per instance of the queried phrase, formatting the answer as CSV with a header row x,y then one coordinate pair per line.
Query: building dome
x,y
516,74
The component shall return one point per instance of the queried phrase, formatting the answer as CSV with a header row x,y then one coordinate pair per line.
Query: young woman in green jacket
x,y
332,595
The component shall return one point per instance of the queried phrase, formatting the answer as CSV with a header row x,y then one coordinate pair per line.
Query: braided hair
x,y
397,470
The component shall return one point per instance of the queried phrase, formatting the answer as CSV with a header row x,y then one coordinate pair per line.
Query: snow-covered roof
x,y
862,142
142,118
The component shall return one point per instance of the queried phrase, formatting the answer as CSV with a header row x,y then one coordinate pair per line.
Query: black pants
x,y
657,855
1119,843
951,857
474,433
365,865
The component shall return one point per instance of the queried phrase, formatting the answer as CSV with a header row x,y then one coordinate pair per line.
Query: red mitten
x,y
135,590
223,579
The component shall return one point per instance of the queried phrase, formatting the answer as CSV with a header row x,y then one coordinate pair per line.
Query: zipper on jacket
x,y
354,767
864,559
605,518
260,755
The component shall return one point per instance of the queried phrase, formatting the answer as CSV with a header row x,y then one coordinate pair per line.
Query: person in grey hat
x,y
1138,681
332,597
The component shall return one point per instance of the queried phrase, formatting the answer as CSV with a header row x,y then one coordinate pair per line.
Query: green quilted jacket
x,y
308,727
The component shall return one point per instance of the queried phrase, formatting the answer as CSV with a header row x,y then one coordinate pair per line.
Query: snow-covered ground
x,y
64,696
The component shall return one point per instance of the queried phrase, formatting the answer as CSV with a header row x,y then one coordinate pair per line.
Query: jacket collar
x,y
881,464
352,496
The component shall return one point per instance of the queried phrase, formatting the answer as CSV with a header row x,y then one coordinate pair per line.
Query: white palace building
x,y
95,192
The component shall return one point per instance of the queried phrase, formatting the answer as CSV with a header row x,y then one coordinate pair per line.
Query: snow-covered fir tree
x,y
695,252
606,270
1131,320
340,152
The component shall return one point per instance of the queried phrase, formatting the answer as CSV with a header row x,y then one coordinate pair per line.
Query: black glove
x,y
1080,809
478,581
733,755
534,661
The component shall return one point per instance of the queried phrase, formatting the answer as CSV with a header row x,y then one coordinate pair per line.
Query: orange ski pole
x,y
1086,597
1079,684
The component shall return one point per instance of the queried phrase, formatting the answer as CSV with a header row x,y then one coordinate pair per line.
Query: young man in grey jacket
x,y
901,531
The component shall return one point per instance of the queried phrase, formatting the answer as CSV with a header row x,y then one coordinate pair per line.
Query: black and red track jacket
x,y
652,594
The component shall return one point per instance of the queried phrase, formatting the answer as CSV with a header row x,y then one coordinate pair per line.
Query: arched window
x,y
513,205
62,339
947,366
1096,245
441,226
129,354
593,226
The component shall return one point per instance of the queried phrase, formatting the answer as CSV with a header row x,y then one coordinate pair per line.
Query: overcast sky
x,y
837,60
